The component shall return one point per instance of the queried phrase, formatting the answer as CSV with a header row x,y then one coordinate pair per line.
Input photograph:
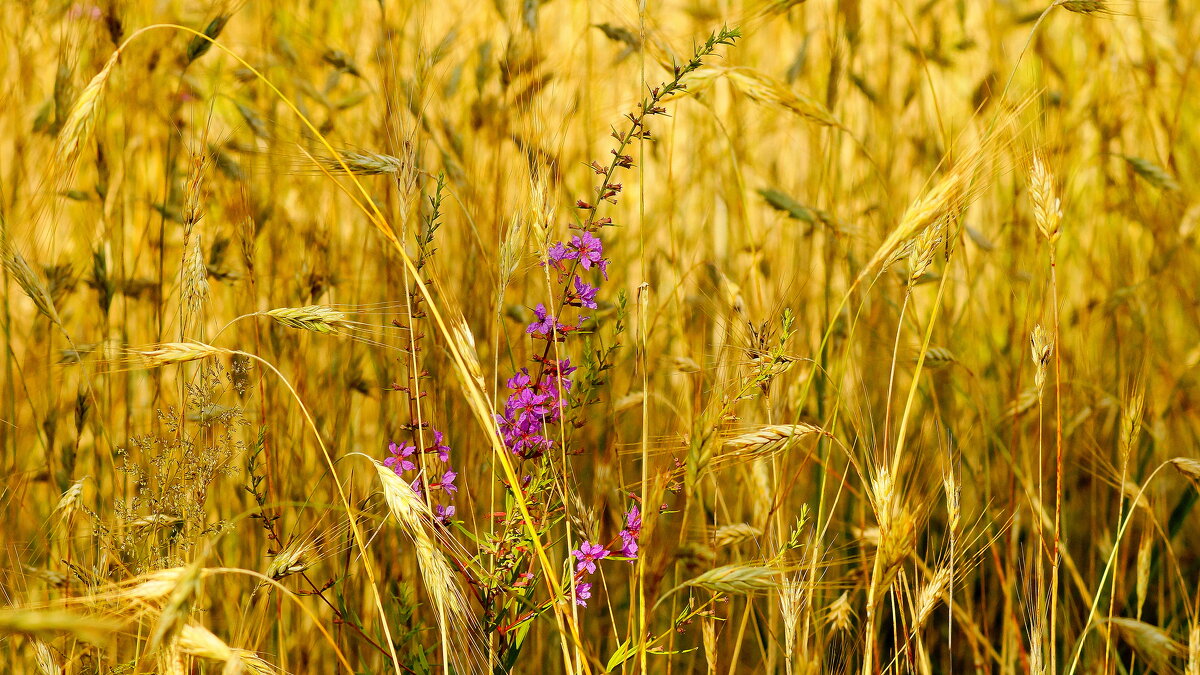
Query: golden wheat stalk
x,y
69,502
1152,643
770,439
770,92
196,640
31,283
365,163
1047,207
931,594
195,277
315,318
938,357
178,608
417,522
729,535
1189,468
1086,6
171,353
738,579
49,622
77,128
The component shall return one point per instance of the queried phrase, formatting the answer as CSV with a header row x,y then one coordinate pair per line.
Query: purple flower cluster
x,y
586,248
401,462
537,401
588,554
631,532
533,405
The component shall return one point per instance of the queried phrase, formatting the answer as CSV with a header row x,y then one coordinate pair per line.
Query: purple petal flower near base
x,y
583,592
588,553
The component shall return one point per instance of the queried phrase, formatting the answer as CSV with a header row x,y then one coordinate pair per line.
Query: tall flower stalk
x,y
536,417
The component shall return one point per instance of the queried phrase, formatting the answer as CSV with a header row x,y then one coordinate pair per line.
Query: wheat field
x,y
702,336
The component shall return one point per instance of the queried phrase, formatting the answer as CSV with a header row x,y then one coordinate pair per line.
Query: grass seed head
x,y
77,128
770,439
931,594
729,535
196,640
1047,207
1151,642
171,353
195,277
737,579
840,613
315,318
1086,6
47,623
1189,467
31,283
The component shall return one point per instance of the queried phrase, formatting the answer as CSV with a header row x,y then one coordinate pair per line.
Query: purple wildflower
x,y
544,324
447,482
559,253
444,513
529,404
590,251
588,553
629,535
583,592
629,547
439,446
633,520
400,462
520,380
585,294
